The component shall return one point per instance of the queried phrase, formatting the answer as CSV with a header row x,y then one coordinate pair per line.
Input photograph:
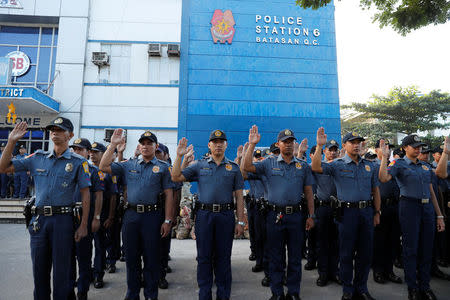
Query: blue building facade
x,y
269,63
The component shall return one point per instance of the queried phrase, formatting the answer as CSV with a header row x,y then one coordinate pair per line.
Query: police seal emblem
x,y
155,169
416,138
354,134
69,167
298,165
147,133
367,168
425,168
228,167
94,145
287,132
333,142
217,133
77,141
58,121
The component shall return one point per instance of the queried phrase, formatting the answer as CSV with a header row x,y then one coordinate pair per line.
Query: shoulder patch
x,y
392,163
114,179
101,175
86,167
31,155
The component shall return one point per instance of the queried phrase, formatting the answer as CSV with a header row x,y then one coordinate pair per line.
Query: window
x,y
163,69
33,140
119,59
40,44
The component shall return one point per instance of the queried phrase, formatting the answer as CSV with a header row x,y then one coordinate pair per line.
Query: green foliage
x,y
432,141
372,131
405,110
402,15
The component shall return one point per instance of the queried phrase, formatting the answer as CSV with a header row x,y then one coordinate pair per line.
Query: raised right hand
x,y
254,137
447,145
385,149
116,137
321,137
18,132
182,147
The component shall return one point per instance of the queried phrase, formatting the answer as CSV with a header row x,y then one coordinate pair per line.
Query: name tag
x,y
40,170
425,201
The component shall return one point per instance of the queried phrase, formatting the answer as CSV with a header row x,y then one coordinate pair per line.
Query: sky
x,y
373,60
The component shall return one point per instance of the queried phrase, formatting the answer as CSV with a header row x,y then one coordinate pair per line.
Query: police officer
x,y
387,233
146,177
83,248
436,153
417,214
356,181
56,174
288,177
219,179
106,214
21,178
327,231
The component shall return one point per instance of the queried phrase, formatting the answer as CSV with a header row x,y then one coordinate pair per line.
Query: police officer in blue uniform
x,y
288,177
56,174
83,248
219,180
387,234
21,178
356,181
106,214
327,231
418,211
146,177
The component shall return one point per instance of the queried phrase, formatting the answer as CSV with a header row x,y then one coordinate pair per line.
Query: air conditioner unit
x,y
109,132
173,50
100,58
154,49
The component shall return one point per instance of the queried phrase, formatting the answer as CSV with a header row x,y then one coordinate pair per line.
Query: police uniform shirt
x,y
21,156
354,182
216,183
413,179
325,186
388,190
55,178
285,182
145,181
97,184
256,185
110,184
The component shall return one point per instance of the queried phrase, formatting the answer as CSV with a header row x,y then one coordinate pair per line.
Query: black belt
x,y
419,200
289,209
327,203
51,210
389,201
142,208
216,207
358,204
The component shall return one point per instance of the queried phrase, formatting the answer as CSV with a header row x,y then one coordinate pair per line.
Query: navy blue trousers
x,y
141,237
215,233
83,250
4,180
51,246
355,242
100,252
287,233
327,242
417,222
112,242
251,215
386,238
260,240
20,184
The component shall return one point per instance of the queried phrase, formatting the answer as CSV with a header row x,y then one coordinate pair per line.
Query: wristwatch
x,y
378,212
313,216
97,217
241,223
167,221
440,217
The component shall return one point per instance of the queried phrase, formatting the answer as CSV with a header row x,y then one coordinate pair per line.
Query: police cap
x,y
81,143
351,136
438,149
149,136
285,134
274,148
98,147
386,142
217,135
61,122
331,144
257,153
412,140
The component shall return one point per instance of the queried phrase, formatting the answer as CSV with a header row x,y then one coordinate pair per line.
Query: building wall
x,y
135,92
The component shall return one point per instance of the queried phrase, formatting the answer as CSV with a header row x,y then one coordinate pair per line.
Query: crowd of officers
x,y
344,212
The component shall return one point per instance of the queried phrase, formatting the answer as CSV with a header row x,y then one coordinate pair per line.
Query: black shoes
x,y
122,257
252,257
439,274
363,296
310,266
394,278
82,296
163,284
257,268
413,294
347,296
111,269
322,280
335,279
378,277
292,297
428,295
275,297
266,281
98,283
168,269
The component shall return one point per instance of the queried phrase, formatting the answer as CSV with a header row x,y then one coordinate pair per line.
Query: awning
x,y
27,101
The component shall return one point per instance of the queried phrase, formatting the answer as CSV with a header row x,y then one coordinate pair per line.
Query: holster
x,y
27,210
77,213
338,211
194,205
121,208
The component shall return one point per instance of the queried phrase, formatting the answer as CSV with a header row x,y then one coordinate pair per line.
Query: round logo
x,y
228,167
58,121
155,169
287,132
217,133
147,133
298,165
69,167
21,63
367,168
425,167
94,145
77,141
416,138
332,142
354,134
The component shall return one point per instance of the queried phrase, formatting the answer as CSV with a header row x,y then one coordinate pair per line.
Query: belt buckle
x,y
48,211
289,210
140,208
216,207
425,201
362,204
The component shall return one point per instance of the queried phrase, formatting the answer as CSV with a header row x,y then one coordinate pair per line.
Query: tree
x,y
403,110
402,15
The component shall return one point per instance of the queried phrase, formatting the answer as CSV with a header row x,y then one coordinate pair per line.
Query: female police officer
x,y
416,214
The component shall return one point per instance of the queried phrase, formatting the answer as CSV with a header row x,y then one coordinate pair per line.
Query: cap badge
x,y
332,142
416,138
77,141
155,169
267,151
258,151
147,133
69,167
367,168
425,167
298,165
354,134
228,167
217,133
58,121
287,132
441,146
94,145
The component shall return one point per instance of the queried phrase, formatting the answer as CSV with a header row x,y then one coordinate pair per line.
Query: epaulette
x,y
77,156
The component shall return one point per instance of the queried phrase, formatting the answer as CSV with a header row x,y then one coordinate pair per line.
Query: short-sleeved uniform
x,y
354,182
285,185
145,182
417,219
214,230
56,180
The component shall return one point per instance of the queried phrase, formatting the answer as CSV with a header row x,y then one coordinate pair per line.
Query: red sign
x,y
222,28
